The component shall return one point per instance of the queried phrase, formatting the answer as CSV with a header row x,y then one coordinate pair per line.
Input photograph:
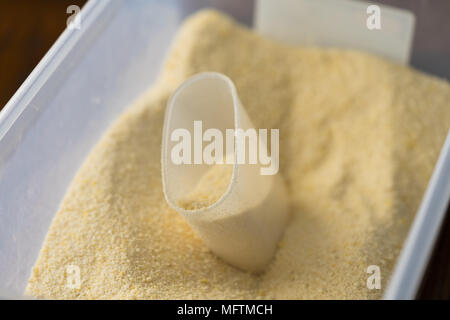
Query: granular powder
x,y
210,188
359,137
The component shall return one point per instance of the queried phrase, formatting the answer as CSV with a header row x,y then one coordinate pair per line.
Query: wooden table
x,y
29,28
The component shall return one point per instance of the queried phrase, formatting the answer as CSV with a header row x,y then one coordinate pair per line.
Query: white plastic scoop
x,y
245,224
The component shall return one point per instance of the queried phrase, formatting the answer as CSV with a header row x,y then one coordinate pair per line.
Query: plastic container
x,y
84,82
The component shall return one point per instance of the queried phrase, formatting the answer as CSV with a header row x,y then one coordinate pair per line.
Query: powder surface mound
x,y
359,137
209,189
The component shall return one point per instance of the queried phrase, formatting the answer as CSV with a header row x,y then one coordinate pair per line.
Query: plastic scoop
x,y
244,224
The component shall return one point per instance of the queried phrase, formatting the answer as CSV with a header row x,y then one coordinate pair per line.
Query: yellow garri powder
x,y
359,137
209,189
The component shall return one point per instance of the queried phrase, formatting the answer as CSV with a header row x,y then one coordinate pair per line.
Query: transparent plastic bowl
x,y
84,82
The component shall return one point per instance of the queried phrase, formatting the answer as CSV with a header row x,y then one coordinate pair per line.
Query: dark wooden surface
x,y
29,28
436,281
27,31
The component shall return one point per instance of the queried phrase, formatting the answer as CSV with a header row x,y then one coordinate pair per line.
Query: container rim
x,y
47,65
416,251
